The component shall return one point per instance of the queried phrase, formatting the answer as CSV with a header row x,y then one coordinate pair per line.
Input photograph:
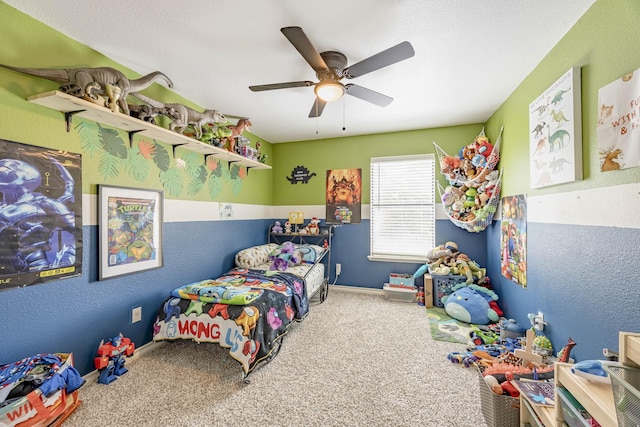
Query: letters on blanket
x,y
245,310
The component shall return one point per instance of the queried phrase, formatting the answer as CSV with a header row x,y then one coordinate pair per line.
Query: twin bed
x,y
250,308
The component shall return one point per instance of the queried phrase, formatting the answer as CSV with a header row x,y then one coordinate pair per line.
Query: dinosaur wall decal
x,y
79,81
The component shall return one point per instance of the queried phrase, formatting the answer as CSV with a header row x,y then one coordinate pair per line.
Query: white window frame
x,y
413,239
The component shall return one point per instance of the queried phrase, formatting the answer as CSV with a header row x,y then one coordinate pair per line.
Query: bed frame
x,y
323,238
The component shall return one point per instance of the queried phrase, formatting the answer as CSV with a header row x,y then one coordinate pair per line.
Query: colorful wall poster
x,y
130,230
40,214
618,126
555,137
513,259
344,196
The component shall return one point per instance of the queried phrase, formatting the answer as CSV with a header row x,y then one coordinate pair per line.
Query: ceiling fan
x,y
331,67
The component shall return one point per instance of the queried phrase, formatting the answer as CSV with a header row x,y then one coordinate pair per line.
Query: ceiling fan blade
x,y
286,85
383,59
299,40
317,108
368,95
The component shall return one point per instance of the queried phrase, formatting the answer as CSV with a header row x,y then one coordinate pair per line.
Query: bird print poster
x,y
618,125
555,136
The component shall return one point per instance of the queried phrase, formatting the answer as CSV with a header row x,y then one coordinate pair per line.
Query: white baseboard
x,y
355,289
150,346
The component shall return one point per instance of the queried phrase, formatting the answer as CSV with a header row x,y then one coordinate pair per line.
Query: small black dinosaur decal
x,y
300,174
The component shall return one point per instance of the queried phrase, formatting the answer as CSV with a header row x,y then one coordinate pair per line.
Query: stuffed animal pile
x,y
471,301
472,181
283,256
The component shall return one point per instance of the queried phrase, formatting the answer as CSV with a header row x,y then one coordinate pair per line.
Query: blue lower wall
x,y
73,315
583,278
351,248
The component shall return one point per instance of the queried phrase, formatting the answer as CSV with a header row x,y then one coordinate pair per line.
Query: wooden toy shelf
x,y
71,105
596,398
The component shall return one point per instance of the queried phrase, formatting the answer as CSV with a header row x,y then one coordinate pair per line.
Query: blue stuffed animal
x,y
470,303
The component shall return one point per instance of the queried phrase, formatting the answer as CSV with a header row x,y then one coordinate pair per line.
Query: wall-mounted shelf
x,y
71,105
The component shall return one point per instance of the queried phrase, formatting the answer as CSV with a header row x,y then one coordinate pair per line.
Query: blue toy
x,y
470,303
592,370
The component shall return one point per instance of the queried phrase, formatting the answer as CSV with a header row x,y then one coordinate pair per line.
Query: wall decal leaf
x,y
172,181
195,186
147,148
109,166
138,167
88,133
161,157
214,185
112,143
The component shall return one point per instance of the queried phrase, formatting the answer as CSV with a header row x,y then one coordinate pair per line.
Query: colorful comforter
x,y
245,310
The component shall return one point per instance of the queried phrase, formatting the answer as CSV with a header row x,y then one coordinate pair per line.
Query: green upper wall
x,y
29,43
351,153
604,43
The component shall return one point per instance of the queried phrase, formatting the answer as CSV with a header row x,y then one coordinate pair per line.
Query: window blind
x,y
402,207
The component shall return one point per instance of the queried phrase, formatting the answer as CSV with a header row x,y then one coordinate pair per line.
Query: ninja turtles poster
x,y
130,230
40,214
344,196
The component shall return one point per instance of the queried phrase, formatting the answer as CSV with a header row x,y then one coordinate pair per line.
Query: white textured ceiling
x,y
469,54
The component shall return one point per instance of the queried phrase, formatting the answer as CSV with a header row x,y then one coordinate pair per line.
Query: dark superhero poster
x,y
344,196
40,214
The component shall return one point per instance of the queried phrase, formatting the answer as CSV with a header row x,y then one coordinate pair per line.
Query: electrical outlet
x,y
136,314
338,269
538,321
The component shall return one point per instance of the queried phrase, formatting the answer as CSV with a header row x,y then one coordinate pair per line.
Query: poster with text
x,y
344,196
513,258
555,134
618,126
40,214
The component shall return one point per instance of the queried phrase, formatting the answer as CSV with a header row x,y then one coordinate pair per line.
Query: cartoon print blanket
x,y
245,310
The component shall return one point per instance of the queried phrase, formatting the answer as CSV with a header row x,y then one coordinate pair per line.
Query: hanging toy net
x,y
467,208
472,164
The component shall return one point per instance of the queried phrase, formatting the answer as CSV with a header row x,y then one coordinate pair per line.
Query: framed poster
x,y
513,255
618,125
40,214
130,222
343,196
555,133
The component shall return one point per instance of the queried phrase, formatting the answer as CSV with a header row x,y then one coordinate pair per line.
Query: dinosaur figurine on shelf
x,y
185,116
77,81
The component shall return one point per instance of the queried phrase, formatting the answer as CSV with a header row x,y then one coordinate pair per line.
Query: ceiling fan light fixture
x,y
329,91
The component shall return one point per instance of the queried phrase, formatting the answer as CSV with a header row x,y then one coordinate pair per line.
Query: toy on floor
x,y
470,303
110,359
481,334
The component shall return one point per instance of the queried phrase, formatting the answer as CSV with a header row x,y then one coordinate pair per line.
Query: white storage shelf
x,y
70,104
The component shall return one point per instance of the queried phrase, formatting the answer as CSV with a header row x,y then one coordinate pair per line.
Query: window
x,y
402,208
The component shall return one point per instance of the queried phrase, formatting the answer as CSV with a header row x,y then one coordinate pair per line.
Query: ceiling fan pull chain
x,y
344,114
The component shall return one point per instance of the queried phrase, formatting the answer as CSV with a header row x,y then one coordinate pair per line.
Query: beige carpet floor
x,y
356,360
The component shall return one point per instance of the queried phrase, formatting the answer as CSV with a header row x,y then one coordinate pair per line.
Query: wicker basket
x,y
625,381
498,411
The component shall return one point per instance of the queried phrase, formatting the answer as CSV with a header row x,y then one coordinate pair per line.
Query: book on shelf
x,y
537,392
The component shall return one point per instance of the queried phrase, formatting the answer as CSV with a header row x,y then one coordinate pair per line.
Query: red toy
x,y
110,359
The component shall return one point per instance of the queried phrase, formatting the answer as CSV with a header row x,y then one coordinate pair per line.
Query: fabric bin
x,y
443,285
498,410
36,409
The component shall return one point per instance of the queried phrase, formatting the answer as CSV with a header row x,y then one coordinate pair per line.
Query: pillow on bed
x,y
310,253
254,256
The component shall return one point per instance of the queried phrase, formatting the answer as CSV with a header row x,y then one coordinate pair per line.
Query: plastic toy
x,y
470,304
481,334
509,328
564,353
591,370
110,359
